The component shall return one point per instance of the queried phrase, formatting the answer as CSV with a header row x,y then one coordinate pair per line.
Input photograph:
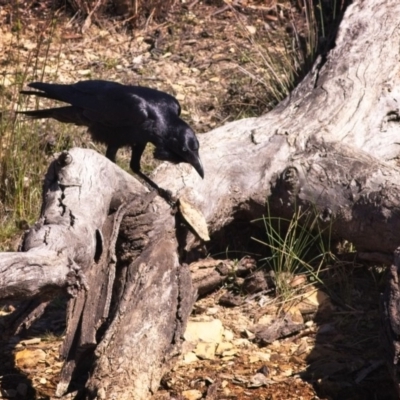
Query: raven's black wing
x,y
103,102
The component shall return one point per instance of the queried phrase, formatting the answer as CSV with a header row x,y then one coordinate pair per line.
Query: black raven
x,y
122,115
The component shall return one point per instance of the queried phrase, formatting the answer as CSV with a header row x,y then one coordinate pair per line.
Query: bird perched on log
x,y
123,115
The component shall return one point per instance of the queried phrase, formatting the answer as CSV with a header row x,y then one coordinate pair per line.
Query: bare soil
x,y
213,59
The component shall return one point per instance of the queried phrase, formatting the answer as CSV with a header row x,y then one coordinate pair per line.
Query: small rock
x,y
254,283
286,369
212,311
205,351
101,393
229,353
252,29
228,335
192,394
241,343
253,358
222,347
295,315
190,357
43,381
258,380
263,356
205,331
263,370
316,300
230,300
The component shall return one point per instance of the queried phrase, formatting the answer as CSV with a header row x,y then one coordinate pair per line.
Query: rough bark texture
x,y
391,320
331,147
113,248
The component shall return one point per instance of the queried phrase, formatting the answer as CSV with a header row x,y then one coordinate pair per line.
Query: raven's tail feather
x,y
36,93
63,114
37,114
47,90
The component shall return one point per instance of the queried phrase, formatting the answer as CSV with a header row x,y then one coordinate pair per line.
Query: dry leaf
x,y
194,218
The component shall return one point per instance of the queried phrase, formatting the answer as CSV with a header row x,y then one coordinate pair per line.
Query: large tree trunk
x,y
331,147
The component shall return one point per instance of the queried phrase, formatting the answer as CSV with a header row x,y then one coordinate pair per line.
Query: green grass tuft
x,y
296,246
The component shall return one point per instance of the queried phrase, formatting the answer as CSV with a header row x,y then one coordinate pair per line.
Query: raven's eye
x,y
184,148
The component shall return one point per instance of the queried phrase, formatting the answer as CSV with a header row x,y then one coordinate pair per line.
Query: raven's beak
x,y
197,165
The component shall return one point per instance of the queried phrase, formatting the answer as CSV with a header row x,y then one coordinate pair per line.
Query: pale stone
x,y
241,343
253,358
205,351
192,394
190,357
262,356
316,298
222,347
205,331
252,29
229,353
213,311
228,335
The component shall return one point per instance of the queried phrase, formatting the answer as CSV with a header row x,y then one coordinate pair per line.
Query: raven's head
x,y
181,145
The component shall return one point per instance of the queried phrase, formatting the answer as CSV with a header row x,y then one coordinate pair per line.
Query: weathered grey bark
x,y
331,147
332,144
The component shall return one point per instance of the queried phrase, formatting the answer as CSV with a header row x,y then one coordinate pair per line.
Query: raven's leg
x,y
137,151
111,153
